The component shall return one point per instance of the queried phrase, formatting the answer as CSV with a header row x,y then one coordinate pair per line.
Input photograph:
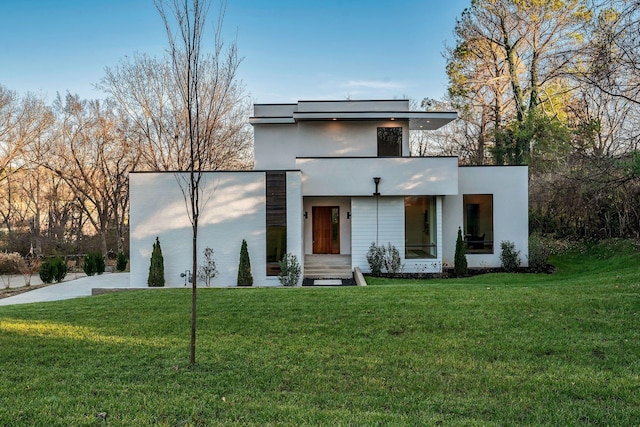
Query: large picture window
x,y
478,223
420,227
390,142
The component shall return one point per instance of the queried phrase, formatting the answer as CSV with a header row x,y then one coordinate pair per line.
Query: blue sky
x,y
292,50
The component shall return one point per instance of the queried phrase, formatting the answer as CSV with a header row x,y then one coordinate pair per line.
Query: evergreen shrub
x,y
46,272
100,264
52,269
460,257
93,263
245,278
59,269
121,262
156,268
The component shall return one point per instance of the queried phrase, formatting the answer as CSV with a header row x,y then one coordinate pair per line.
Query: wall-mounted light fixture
x,y
306,215
348,215
377,181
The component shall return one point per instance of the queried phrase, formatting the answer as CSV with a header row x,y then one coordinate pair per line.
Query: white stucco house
x,y
330,178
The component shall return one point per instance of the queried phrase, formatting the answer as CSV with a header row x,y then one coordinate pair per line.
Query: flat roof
x,y
348,110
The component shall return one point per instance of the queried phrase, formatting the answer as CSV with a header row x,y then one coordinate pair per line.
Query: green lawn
x,y
497,349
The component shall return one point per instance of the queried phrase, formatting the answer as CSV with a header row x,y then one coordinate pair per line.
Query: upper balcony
x,y
399,176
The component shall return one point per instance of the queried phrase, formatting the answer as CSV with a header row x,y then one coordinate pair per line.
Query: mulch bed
x,y
10,292
449,273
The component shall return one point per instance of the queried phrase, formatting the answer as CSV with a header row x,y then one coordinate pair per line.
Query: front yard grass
x,y
495,349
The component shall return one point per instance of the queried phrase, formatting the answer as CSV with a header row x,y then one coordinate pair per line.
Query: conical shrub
x,y
244,269
460,260
156,269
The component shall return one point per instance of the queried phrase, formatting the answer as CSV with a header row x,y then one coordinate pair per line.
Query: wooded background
x,y
554,84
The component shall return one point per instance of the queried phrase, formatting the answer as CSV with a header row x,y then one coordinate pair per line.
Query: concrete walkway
x,y
74,286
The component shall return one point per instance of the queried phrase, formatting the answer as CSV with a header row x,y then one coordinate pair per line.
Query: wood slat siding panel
x,y
363,226
276,213
276,198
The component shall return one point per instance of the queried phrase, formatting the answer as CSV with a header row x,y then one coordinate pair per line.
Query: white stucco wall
x,y
344,138
509,186
234,210
407,176
294,220
345,223
275,147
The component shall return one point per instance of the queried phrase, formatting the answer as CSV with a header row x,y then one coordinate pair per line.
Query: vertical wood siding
x,y
390,221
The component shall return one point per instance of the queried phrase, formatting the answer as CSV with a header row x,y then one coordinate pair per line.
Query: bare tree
x,y
210,96
508,62
23,122
93,156
479,81
117,170
151,93
613,51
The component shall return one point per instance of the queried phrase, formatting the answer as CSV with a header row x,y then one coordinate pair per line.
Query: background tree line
x,y
64,166
554,84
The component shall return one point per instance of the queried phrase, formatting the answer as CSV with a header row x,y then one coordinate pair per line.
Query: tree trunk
x,y
510,52
194,275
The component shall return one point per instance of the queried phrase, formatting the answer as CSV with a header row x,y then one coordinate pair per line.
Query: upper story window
x,y
390,142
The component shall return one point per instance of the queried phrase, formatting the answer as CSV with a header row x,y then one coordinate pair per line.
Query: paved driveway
x,y
75,288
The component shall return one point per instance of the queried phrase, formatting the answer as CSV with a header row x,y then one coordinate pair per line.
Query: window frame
x,y
384,140
480,241
427,218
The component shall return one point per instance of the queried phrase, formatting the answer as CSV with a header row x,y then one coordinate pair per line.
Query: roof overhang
x,y
418,120
271,120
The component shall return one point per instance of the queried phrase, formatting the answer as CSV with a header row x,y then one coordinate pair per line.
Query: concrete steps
x,y
327,267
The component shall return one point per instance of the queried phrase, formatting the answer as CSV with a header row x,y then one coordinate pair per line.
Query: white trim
x,y
271,120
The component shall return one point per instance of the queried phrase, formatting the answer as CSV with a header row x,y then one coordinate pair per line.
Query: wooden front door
x,y
326,229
